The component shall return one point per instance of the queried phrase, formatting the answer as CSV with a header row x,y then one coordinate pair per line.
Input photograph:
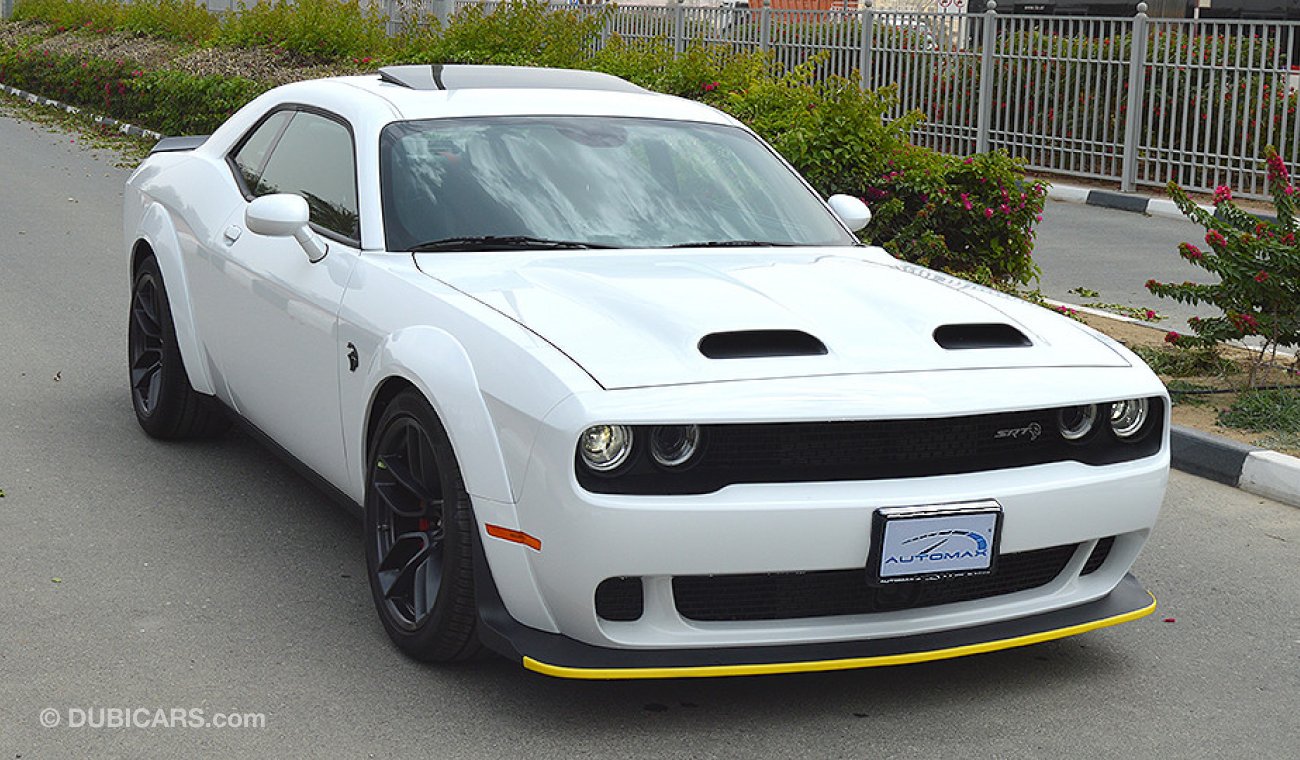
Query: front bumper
x,y
555,655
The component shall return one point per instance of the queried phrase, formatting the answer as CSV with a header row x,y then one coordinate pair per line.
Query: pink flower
x,y
1149,315
1261,276
1215,239
988,213
711,86
1191,252
1172,337
1222,193
965,201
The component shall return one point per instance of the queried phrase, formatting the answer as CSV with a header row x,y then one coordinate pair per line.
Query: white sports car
x,y
619,396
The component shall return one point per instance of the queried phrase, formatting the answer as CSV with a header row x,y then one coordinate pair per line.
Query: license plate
x,y
934,541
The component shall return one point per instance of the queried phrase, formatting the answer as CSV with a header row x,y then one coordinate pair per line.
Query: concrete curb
x,y
120,126
1141,204
1252,469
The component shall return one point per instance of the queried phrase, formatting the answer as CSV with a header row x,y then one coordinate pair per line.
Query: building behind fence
x,y
1136,100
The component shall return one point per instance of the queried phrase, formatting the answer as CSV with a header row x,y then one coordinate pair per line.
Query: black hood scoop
x,y
992,335
759,344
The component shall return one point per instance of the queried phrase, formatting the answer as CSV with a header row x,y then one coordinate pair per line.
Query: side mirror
x,y
852,211
285,215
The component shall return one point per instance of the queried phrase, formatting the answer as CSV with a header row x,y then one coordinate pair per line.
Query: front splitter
x,y
560,656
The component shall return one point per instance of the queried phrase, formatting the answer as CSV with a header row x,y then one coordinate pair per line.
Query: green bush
x,y
170,102
176,103
971,216
1264,410
315,29
95,15
182,20
525,33
703,72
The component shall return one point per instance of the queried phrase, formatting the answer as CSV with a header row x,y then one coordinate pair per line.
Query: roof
x,y
461,77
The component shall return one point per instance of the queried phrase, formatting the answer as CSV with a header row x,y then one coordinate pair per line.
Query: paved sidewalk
x,y
1259,471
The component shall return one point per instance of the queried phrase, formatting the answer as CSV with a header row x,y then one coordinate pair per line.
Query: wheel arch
x,y
432,362
156,235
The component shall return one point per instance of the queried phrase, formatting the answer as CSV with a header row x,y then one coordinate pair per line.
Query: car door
x,y
275,341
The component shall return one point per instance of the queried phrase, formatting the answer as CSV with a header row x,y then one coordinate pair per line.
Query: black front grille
x,y
869,450
782,596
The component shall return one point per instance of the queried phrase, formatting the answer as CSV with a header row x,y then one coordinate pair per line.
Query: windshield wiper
x,y
730,244
501,242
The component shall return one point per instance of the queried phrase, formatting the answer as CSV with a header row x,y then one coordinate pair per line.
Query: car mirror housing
x,y
852,211
285,215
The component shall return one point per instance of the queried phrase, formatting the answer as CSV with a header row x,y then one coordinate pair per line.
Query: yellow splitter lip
x,y
1129,597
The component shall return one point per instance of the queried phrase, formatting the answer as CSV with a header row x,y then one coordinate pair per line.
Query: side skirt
x,y
308,474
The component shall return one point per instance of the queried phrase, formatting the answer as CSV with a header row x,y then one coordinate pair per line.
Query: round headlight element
x,y
1076,422
674,445
1128,417
605,447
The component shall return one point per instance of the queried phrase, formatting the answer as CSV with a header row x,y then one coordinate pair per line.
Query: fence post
x,y
605,31
983,123
868,17
765,26
6,9
1137,72
679,27
444,9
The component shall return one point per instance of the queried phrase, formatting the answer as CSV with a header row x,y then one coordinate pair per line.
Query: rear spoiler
x,y
178,144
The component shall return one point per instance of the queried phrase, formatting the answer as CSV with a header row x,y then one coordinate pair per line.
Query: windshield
x,y
590,181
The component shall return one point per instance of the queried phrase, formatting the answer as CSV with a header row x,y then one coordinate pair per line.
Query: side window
x,y
314,159
250,159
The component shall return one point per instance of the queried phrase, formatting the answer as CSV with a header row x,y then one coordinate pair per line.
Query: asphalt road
x,y
135,574
1114,253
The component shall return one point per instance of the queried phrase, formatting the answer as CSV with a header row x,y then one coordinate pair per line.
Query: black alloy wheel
x,y
165,404
418,530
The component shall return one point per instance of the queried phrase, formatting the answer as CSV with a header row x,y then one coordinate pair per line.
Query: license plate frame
x,y
931,542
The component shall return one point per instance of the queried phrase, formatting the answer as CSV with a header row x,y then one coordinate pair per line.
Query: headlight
x,y
1076,422
1129,417
605,447
673,445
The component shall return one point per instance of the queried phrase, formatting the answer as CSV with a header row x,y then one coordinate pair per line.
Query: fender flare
x,y
157,229
434,362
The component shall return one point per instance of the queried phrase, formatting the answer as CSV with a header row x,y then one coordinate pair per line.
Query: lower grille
x,y
826,593
620,599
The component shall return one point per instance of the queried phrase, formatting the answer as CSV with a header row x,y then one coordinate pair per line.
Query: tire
x,y
418,530
165,405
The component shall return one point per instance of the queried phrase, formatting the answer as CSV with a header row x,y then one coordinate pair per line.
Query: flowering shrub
x,y
1258,265
970,216
168,101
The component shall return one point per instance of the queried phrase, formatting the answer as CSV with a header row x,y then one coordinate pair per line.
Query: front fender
x,y
157,228
434,362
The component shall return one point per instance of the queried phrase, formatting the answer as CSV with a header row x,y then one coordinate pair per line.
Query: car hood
x,y
637,318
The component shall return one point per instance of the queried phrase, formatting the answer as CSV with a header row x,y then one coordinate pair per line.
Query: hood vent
x,y
758,344
980,336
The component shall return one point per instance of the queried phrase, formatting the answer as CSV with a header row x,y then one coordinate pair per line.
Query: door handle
x,y
231,234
